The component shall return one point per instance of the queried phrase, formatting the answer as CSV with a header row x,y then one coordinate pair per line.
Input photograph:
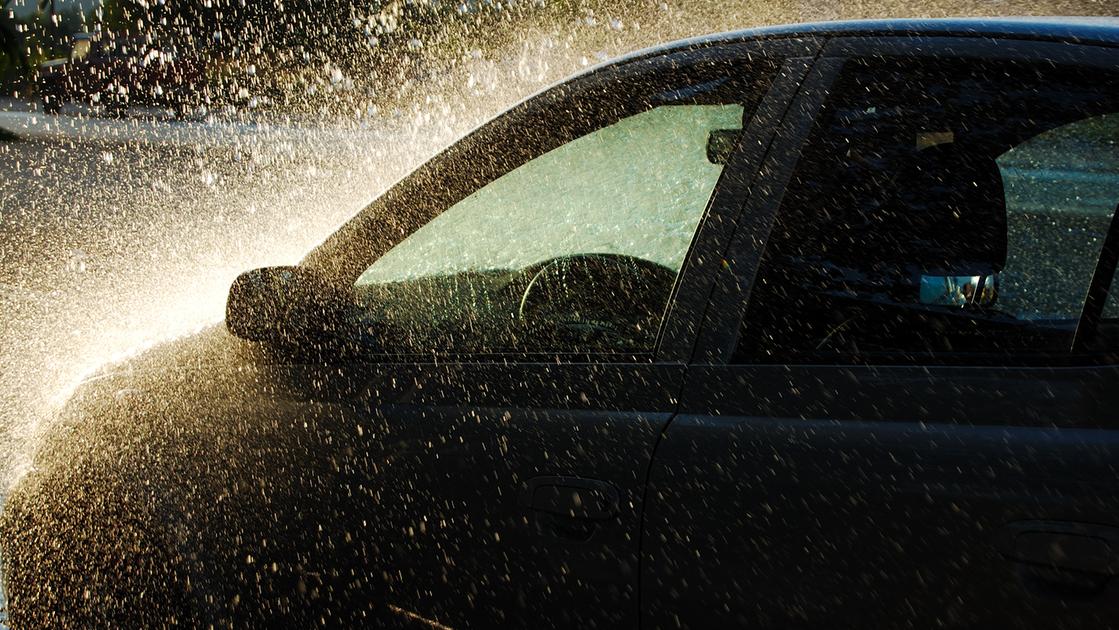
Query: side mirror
x,y
286,306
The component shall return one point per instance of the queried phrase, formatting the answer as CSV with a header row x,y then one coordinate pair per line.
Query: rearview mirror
x,y
286,306
980,290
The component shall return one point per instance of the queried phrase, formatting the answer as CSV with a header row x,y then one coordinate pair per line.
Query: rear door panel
x,y
831,496
855,497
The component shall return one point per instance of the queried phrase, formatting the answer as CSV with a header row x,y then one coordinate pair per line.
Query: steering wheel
x,y
612,299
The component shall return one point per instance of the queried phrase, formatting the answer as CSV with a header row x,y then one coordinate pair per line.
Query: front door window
x,y
575,250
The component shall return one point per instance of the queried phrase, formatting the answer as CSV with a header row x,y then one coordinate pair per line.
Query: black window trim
x,y
734,276
1098,291
988,48
691,298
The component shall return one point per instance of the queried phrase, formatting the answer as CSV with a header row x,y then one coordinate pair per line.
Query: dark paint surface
x,y
842,497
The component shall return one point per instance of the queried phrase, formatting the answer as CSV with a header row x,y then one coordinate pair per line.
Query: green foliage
x,y
27,41
284,50
112,15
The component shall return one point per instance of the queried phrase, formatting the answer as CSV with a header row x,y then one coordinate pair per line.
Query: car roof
x,y
1072,29
1054,27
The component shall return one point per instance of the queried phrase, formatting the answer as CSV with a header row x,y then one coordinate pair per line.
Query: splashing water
x,y
115,235
118,234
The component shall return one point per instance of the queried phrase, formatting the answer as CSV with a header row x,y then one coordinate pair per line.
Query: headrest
x,y
947,213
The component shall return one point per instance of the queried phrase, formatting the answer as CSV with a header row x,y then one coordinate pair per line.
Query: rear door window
x,y
1061,187
943,210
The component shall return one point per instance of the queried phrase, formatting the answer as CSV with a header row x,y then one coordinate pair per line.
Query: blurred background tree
x,y
259,46
335,57
32,31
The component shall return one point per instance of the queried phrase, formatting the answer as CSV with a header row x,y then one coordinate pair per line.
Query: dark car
x,y
803,327
115,71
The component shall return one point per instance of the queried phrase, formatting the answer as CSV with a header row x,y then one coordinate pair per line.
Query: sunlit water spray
x,y
112,242
110,246
98,296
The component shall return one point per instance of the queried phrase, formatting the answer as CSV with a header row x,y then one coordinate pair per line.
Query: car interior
x,y
561,302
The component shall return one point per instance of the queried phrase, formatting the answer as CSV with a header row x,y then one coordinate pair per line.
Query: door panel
x,y
839,481
502,482
886,497
504,450
500,495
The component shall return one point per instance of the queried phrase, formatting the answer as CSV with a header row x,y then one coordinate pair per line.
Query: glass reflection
x,y
959,290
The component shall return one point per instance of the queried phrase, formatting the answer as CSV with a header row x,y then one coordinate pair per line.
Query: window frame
x,y
342,260
1099,291
722,326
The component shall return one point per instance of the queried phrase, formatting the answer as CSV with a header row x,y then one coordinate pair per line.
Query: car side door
x,y
893,420
504,448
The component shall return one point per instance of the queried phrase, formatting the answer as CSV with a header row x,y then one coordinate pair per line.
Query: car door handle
x,y
1081,547
572,497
